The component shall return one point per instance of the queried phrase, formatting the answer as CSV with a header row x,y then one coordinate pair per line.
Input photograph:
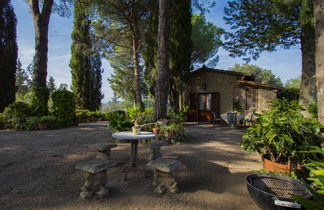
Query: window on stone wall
x,y
251,98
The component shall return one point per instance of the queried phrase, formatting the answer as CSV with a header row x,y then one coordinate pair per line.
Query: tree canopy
x,y
261,75
206,39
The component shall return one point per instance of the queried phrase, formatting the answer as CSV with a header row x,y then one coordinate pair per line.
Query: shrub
x,y
32,123
39,100
2,121
312,109
316,177
64,107
282,132
16,114
118,121
81,115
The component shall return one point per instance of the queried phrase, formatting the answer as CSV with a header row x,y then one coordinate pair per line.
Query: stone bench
x,y
95,178
155,147
164,174
104,149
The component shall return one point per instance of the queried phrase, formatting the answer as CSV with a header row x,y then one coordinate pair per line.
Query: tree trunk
x,y
307,86
162,84
137,72
174,97
41,22
319,43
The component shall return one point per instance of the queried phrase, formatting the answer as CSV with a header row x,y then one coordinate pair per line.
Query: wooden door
x,y
193,107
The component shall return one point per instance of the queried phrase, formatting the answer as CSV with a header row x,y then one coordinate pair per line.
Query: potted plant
x,y
171,128
156,129
43,122
137,126
280,134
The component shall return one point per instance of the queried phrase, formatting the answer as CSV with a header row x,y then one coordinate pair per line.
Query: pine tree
x,y
181,48
163,74
51,84
8,53
21,80
262,25
85,63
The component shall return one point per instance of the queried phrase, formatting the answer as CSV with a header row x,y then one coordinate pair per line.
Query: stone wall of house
x,y
208,82
265,97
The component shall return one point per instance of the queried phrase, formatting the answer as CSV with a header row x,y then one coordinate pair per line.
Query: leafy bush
x,y
16,114
64,107
316,178
281,132
118,121
134,113
89,116
39,100
32,123
2,121
81,115
312,109
290,94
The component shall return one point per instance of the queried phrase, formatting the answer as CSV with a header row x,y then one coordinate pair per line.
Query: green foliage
x,y
316,178
8,54
312,109
39,100
282,132
64,107
15,115
133,113
206,39
51,84
85,61
89,116
292,91
293,83
237,106
118,121
180,49
31,123
289,94
261,75
23,81
257,29
171,132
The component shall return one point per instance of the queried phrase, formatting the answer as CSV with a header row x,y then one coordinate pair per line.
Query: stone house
x,y
219,91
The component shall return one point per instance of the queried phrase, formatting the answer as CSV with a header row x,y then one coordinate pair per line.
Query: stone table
x,y
133,139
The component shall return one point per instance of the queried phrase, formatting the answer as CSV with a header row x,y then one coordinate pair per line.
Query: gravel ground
x,y
37,170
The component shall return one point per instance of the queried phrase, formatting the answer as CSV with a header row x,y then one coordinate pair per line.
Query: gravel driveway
x,y
37,170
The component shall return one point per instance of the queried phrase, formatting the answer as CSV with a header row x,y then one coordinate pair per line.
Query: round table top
x,y
128,135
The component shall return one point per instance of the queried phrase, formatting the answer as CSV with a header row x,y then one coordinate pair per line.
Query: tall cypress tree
x,y
85,64
8,53
96,82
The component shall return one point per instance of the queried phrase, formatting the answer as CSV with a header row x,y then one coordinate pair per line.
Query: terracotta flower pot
x,y
156,130
42,126
168,134
275,167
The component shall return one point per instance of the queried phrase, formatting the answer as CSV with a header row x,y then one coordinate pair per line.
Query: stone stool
x,y
104,149
95,178
164,174
155,147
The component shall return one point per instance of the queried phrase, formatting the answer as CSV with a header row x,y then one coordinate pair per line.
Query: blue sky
x,y
284,63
